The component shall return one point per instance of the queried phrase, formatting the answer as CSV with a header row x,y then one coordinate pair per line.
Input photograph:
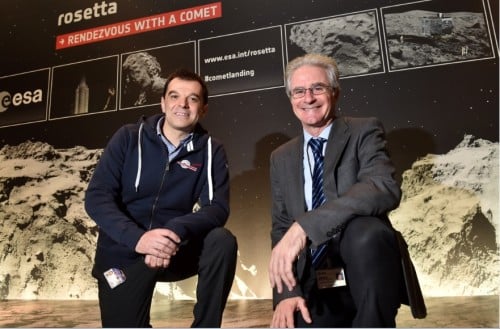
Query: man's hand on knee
x,y
283,255
156,262
161,243
283,316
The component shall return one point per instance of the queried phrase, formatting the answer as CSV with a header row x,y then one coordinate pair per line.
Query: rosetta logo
x,y
98,10
25,98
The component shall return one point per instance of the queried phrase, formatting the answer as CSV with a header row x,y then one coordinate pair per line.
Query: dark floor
x,y
443,312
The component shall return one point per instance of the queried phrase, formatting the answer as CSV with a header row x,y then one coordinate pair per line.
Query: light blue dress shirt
x,y
172,150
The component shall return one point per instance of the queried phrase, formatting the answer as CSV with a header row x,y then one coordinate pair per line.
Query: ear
x,y
336,94
204,110
162,104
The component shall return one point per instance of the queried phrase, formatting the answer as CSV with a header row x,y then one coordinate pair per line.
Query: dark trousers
x,y
214,261
369,253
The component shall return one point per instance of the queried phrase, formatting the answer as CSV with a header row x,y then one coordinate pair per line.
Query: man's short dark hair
x,y
185,74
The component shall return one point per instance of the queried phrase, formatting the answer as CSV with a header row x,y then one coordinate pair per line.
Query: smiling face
x,y
315,112
183,106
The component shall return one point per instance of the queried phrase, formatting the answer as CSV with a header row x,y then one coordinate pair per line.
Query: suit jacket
x,y
358,181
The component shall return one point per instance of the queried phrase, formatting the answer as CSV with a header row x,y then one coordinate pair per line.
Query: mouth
x,y
181,114
310,108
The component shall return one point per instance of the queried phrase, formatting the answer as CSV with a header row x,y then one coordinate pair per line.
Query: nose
x,y
185,102
309,96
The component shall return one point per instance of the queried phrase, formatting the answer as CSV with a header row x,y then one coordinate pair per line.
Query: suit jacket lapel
x,y
296,169
339,135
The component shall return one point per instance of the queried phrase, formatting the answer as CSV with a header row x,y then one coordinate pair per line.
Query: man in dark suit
x,y
350,224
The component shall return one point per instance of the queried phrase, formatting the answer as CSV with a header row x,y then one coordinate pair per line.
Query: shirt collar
x,y
324,134
170,146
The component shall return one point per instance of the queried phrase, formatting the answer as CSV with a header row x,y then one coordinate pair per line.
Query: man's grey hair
x,y
325,62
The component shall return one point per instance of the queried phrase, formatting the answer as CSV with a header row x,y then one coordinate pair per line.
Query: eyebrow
x,y
178,93
316,84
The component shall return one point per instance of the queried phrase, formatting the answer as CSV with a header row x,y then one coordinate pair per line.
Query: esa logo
x,y
23,98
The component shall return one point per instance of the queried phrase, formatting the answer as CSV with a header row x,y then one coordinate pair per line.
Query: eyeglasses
x,y
315,90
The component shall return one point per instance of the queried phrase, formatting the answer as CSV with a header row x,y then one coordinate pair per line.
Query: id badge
x,y
330,277
115,277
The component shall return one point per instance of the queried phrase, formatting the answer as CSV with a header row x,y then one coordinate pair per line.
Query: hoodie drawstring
x,y
209,170
139,158
190,147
